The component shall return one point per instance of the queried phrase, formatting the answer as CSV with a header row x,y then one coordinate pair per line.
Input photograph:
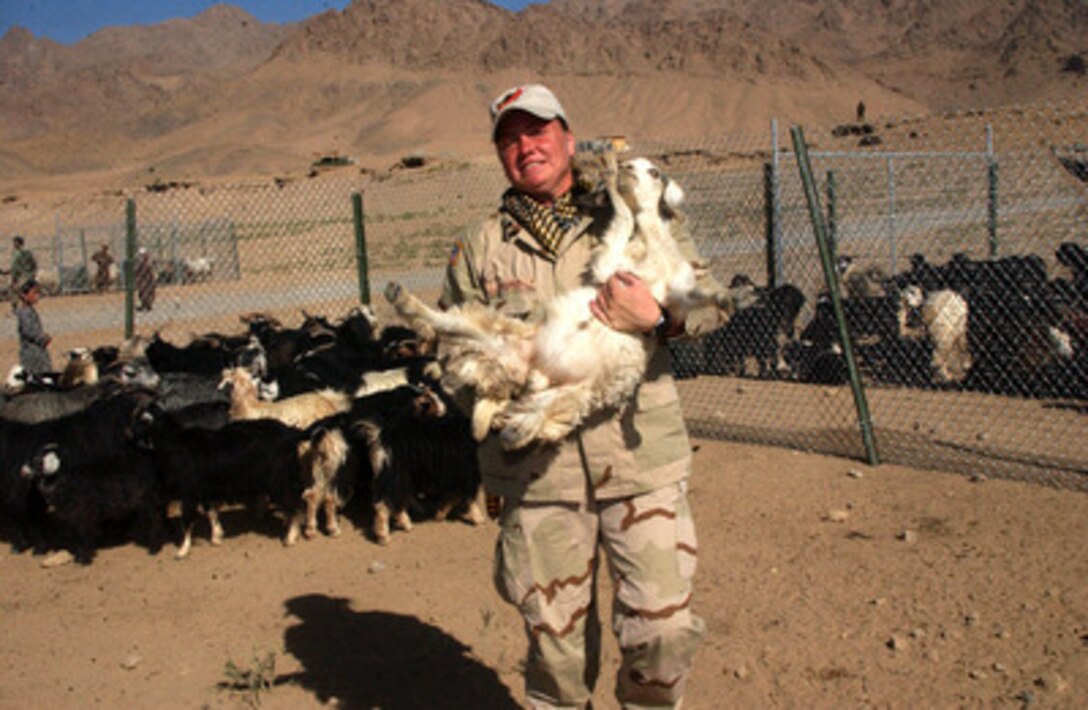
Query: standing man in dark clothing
x,y
33,340
103,260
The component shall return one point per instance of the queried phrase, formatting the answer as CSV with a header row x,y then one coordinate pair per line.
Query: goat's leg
x,y
621,226
419,314
548,415
311,496
473,514
186,539
294,526
380,527
212,512
483,416
332,515
443,511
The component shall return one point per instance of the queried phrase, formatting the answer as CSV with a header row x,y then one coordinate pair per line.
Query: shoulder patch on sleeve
x,y
455,253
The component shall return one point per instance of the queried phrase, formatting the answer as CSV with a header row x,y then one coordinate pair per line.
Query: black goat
x,y
758,331
244,462
84,496
411,446
96,433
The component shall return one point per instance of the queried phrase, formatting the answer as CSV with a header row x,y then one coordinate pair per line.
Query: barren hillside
x,y
223,94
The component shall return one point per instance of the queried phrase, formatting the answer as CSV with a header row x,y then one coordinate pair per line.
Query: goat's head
x,y
239,381
80,355
17,379
43,465
645,187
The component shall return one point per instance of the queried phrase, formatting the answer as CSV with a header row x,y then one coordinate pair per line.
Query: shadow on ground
x,y
383,660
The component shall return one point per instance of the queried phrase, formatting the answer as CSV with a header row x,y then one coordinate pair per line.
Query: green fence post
x,y
360,249
832,215
130,258
771,246
831,279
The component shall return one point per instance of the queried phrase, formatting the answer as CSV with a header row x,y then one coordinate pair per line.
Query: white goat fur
x,y
538,381
944,315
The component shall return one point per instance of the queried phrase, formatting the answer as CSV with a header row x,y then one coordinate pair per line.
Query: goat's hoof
x,y
474,515
335,532
393,291
58,559
309,533
518,432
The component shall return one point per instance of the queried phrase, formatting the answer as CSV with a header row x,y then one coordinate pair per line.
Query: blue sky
x,y
69,21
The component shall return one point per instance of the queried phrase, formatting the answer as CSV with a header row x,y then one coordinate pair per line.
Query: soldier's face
x,y
535,155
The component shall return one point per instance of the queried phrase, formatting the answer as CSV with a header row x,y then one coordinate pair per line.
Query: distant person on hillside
x,y
145,280
33,340
861,112
103,260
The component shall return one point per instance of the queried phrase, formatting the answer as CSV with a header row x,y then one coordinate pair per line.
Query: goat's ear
x,y
671,199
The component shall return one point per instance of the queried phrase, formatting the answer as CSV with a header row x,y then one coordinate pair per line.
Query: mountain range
x,y
223,94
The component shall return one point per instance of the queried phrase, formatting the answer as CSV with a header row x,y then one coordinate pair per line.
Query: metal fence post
x,y
891,214
58,256
991,192
776,209
130,257
360,248
175,272
831,279
770,248
83,258
832,214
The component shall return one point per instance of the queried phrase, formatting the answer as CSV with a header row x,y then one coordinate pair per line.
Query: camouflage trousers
x,y
546,564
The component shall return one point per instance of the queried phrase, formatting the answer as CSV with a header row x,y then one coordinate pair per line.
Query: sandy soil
x,y
824,583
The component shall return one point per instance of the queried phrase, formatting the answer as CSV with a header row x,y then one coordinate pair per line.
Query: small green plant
x,y
251,681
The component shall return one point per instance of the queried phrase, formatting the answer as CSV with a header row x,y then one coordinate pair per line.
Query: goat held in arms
x,y
537,381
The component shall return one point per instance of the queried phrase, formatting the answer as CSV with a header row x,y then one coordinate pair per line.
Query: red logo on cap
x,y
509,99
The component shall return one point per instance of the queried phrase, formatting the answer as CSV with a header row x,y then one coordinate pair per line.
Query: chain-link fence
x,y
991,377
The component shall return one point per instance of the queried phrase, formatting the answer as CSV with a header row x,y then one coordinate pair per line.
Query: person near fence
x,y
144,275
24,267
33,340
618,484
103,260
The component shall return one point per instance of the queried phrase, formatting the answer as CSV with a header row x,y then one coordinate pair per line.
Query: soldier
x,y
24,267
618,483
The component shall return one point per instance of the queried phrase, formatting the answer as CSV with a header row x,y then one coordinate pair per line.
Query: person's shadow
x,y
377,659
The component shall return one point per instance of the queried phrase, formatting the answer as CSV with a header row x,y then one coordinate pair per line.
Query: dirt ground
x,y
824,583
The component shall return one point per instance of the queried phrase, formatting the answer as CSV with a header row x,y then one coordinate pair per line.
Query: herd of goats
x,y
296,422
289,422
1002,326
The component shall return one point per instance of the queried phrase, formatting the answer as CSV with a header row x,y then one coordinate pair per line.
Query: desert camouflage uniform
x,y
619,480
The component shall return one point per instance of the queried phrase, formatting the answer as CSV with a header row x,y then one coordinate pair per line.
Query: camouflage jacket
x,y
23,267
618,453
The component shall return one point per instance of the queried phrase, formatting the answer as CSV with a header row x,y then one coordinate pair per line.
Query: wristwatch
x,y
662,326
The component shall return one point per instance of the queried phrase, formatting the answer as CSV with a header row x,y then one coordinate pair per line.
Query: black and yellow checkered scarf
x,y
547,224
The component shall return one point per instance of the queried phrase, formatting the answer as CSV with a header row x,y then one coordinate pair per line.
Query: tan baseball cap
x,y
536,99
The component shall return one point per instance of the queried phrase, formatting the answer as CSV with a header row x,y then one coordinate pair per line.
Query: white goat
x,y
538,381
944,318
